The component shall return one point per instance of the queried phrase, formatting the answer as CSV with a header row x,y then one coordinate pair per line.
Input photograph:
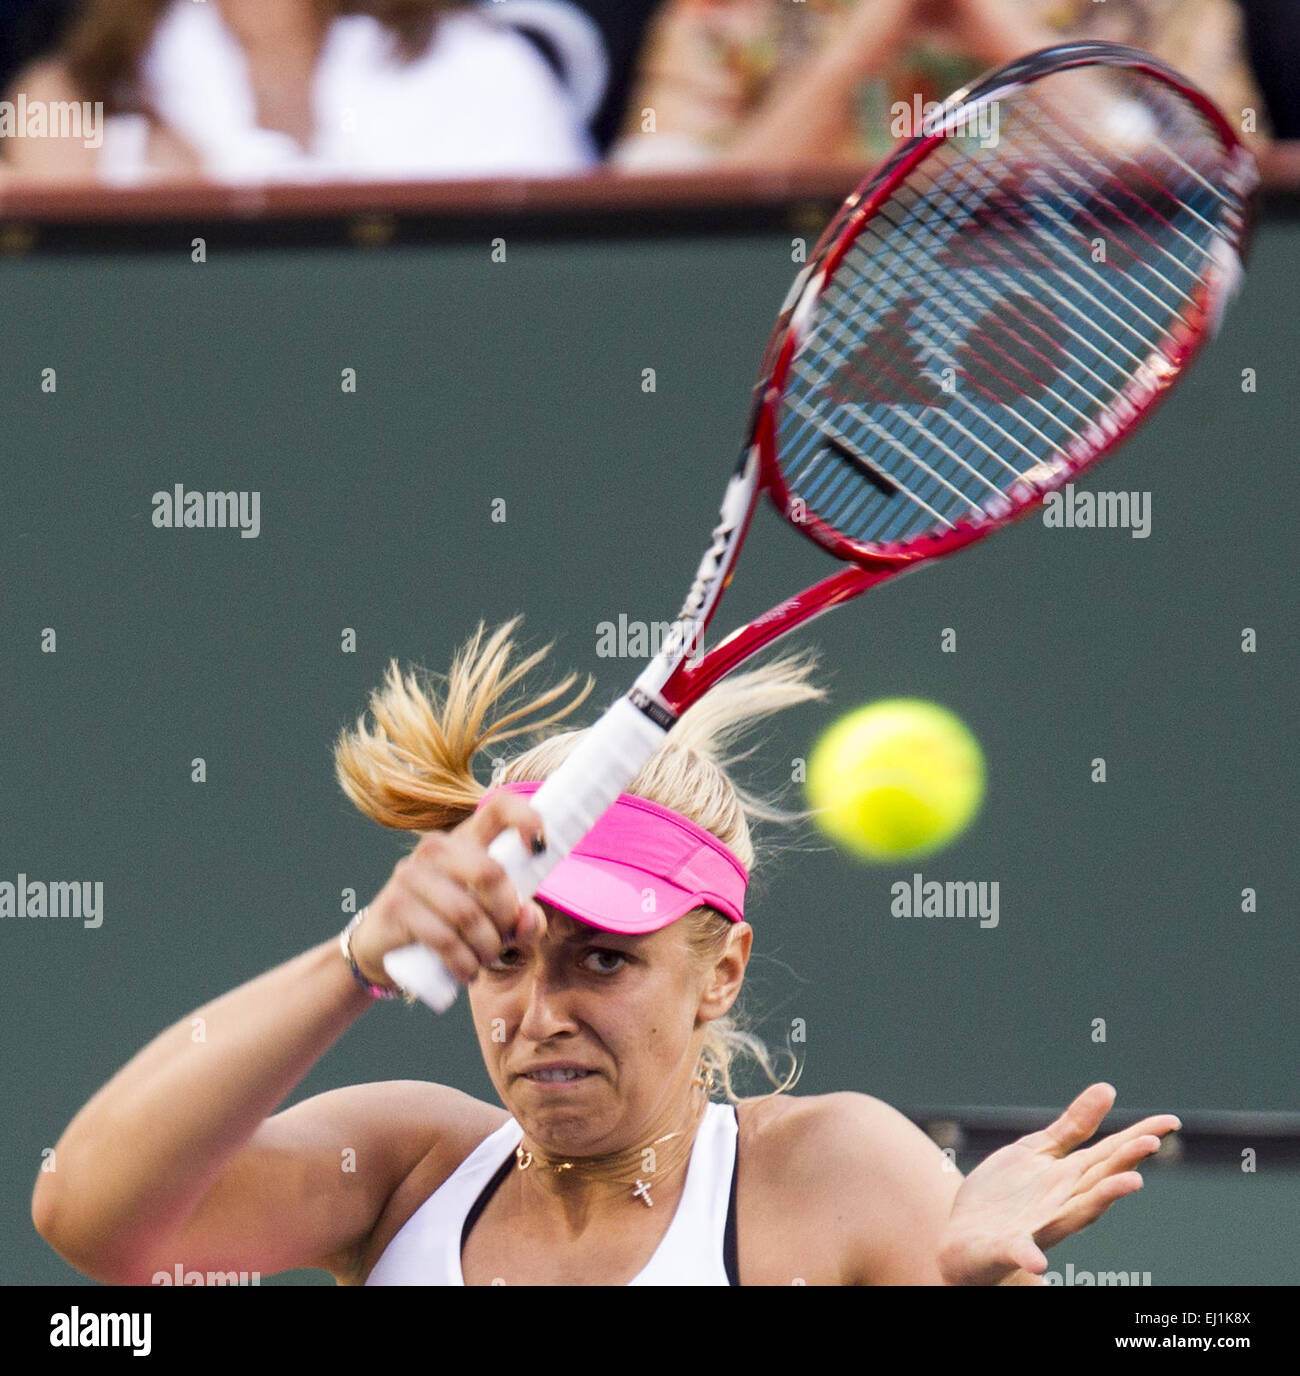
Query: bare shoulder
x,y
422,1103
383,1133
418,1122
844,1127
842,1185
462,1122
440,1126
436,1126
406,1116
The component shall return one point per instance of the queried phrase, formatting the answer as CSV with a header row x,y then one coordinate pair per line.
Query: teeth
x,y
549,1075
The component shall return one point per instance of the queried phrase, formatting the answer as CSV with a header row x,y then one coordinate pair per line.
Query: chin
x,y
564,1129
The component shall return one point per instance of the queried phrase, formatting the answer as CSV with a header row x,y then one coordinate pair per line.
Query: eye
x,y
508,959
604,960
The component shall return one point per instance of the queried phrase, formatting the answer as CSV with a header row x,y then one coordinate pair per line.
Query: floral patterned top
x,y
708,64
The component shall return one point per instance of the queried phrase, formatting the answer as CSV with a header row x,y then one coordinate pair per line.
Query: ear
x,y
723,980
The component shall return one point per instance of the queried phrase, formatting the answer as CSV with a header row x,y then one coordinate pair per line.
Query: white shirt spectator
x,y
481,101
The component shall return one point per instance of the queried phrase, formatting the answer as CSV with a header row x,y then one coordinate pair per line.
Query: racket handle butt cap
x,y
418,971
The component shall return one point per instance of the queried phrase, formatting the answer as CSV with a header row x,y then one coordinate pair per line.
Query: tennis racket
x,y
986,316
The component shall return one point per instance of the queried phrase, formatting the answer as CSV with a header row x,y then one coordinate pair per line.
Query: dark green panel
x,y
522,380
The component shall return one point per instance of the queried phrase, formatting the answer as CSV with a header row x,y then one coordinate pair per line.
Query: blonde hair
x,y
413,769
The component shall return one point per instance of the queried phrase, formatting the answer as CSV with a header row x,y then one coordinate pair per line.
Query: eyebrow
x,y
585,936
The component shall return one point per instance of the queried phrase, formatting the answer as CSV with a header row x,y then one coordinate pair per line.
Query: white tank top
x,y
699,1247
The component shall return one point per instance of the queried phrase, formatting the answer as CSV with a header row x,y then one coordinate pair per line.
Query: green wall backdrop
x,y
522,380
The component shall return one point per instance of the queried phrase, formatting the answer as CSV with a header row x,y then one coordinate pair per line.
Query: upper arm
x,y
887,1189
913,1185
311,1183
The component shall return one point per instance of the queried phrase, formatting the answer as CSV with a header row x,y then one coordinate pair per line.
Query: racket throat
x,y
714,570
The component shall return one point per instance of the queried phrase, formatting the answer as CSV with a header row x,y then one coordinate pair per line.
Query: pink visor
x,y
641,867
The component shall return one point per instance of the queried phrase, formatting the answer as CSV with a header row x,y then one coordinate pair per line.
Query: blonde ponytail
x,y
413,769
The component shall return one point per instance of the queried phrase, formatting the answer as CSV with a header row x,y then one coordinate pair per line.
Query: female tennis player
x,y
604,1016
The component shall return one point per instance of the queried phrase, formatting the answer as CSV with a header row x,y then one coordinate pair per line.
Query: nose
x,y
547,1012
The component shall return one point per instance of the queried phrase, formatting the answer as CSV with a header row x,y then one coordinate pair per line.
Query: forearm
x,y
805,117
137,1160
808,112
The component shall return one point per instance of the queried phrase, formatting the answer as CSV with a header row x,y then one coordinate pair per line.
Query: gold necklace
x,y
614,1166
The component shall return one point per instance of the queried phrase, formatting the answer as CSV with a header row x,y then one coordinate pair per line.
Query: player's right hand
x,y
451,896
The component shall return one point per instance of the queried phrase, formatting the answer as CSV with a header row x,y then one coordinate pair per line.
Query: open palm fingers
x,y
1107,1172
1098,1188
1158,1126
1076,1125
1121,1152
1087,1208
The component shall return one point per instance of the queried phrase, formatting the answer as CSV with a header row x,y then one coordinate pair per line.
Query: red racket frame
x,y
868,565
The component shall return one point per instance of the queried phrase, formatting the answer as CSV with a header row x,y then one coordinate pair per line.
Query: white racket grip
x,y
570,802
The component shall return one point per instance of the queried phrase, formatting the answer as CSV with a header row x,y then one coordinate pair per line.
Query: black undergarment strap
x,y
730,1259
485,1198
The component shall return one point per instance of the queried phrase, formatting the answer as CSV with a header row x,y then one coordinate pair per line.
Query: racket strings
x,y
1115,237
940,295
931,317
969,342
988,450
1028,345
999,279
1168,111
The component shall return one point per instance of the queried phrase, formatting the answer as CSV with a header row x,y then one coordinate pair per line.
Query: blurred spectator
x,y
770,83
309,90
28,30
1273,40
623,25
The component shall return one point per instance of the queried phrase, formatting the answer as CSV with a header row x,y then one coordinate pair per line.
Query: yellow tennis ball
x,y
896,779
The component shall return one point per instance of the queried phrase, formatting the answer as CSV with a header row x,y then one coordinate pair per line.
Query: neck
x,y
643,1175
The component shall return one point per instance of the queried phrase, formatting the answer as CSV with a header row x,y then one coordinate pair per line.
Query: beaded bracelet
x,y
376,991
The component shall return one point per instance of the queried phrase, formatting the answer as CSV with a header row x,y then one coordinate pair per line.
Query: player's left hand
x,y
1029,1195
